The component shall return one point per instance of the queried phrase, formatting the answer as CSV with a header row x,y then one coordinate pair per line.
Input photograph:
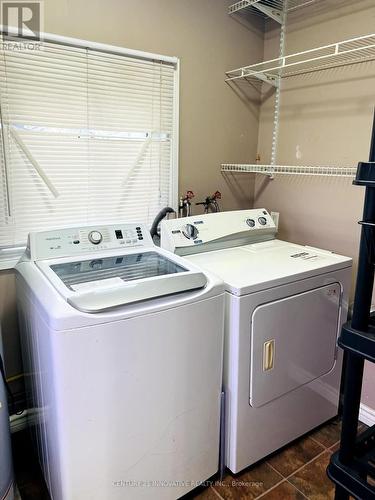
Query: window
x,y
89,135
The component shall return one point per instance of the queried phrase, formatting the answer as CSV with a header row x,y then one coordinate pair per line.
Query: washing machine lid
x,y
96,268
106,281
260,266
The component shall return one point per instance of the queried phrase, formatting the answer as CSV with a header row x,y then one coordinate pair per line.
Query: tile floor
x,y
296,472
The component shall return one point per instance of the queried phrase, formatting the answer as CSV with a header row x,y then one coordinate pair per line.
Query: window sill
x,y
9,258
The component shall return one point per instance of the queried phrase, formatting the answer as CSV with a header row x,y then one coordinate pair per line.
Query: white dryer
x,y
285,304
123,348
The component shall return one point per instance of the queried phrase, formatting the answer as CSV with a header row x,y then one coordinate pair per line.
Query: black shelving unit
x,y
352,468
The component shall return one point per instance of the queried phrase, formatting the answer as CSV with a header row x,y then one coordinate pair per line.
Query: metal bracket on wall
x,y
277,10
275,14
263,77
270,8
276,113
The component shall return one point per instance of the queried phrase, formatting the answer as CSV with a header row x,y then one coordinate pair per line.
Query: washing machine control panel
x,y
217,230
91,239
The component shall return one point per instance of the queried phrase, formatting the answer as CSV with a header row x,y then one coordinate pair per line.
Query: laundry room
x,y
187,249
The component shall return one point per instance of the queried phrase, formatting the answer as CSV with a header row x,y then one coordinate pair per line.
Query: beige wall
x,y
216,124
326,119
327,116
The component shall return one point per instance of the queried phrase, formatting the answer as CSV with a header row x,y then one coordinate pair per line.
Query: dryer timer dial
x,y
190,232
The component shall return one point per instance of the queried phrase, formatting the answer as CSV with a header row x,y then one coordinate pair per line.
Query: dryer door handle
x,y
268,355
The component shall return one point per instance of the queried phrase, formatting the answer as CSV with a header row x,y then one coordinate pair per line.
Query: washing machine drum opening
x,y
293,342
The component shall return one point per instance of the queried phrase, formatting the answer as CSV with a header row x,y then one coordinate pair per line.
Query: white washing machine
x,y
285,304
123,346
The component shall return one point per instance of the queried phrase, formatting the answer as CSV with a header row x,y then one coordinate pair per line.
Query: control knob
x,y
190,232
95,237
262,221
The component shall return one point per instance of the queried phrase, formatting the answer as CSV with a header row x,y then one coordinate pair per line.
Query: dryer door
x,y
293,341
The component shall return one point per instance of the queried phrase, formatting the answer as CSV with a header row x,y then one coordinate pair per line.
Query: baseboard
x,y
366,415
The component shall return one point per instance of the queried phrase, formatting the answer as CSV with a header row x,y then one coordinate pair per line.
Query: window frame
x,y
10,256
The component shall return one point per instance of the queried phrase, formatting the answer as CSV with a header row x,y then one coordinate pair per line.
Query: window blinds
x,y
87,137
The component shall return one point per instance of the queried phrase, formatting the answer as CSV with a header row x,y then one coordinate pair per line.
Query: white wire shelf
x,y
267,8
271,170
350,51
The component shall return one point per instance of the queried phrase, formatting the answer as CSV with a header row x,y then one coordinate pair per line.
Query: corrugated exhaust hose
x,y
154,228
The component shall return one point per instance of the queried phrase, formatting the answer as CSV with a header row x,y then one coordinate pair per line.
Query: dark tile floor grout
x,y
325,450
216,493
300,468
286,478
317,442
304,496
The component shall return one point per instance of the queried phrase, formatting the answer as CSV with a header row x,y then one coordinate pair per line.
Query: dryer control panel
x,y
90,239
208,232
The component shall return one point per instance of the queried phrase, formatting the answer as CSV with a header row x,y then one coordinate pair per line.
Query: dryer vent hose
x,y
163,213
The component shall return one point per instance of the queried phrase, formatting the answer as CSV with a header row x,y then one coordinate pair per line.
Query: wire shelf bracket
x,y
271,170
342,53
267,7
272,9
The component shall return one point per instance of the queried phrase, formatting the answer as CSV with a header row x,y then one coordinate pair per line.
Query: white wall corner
x,y
366,415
